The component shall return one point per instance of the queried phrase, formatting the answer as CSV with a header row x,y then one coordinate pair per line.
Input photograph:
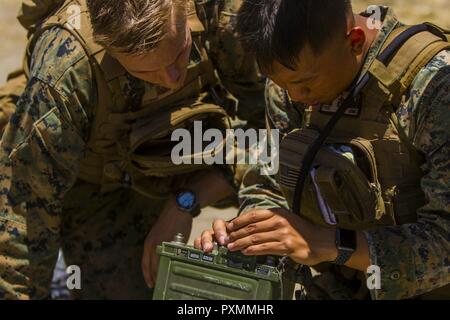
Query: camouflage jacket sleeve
x,y
414,258
237,69
262,191
40,149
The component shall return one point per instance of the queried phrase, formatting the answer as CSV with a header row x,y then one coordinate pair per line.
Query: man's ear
x,y
357,39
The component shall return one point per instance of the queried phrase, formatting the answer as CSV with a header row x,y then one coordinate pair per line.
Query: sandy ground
x,y
12,44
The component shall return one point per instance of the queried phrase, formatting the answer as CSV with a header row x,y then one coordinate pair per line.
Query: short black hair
x,y
277,30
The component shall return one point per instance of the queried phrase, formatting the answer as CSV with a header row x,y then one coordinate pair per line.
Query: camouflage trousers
x,y
102,234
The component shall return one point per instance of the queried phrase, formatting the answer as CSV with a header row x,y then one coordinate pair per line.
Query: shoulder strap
x,y
439,29
397,74
32,12
110,68
193,19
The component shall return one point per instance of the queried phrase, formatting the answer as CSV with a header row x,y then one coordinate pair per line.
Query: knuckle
x,y
279,223
270,213
253,216
254,239
251,228
288,244
284,231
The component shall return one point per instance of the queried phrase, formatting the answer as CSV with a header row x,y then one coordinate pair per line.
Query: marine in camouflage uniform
x,y
43,203
414,257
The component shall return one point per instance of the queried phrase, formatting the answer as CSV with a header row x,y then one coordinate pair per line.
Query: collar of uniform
x,y
389,23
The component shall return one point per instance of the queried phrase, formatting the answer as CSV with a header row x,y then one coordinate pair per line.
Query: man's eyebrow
x,y
186,44
304,79
155,68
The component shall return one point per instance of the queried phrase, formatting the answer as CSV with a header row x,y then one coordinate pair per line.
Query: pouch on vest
x,y
350,190
146,149
151,144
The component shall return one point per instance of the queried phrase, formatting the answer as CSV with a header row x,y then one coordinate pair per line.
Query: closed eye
x,y
303,80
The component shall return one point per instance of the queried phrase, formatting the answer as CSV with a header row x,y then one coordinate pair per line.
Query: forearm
x,y
260,192
327,251
360,259
29,238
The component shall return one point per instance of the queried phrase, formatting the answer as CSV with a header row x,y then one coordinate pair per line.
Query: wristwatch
x,y
187,202
345,244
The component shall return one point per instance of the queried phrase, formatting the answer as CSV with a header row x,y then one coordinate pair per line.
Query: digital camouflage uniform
x,y
414,258
44,206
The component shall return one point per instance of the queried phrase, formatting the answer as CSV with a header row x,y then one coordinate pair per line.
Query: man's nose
x,y
299,94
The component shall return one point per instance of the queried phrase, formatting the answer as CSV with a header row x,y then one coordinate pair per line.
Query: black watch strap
x,y
345,244
342,257
196,210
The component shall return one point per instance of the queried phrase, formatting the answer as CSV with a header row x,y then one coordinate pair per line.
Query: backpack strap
x,y
398,73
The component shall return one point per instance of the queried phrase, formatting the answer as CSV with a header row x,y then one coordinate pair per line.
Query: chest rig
x,y
130,138
381,186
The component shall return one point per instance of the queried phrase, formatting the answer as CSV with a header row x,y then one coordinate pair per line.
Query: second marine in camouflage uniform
x,y
414,257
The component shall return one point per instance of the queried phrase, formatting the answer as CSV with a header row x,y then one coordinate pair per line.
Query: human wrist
x,y
211,188
329,251
187,201
173,211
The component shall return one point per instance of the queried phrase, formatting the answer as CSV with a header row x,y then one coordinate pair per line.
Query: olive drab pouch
x,y
146,148
341,190
151,142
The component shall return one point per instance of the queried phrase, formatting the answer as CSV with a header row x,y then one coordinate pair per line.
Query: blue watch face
x,y
186,200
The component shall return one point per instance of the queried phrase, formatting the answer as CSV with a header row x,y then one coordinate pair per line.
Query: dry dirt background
x,y
12,44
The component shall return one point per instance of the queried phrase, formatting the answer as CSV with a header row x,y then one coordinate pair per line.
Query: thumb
x,y
145,265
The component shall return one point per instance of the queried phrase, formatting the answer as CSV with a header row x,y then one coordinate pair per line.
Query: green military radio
x,y
186,273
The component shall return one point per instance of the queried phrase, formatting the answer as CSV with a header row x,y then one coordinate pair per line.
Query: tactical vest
x,y
130,141
383,188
